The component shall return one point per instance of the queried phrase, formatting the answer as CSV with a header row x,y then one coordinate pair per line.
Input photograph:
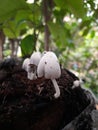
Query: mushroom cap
x,y
35,58
76,83
50,54
52,69
41,66
49,66
25,64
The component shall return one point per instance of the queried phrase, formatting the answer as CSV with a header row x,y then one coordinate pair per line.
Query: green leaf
x,y
10,29
85,23
60,3
59,13
92,34
23,15
8,8
58,32
27,45
86,31
76,7
13,28
37,13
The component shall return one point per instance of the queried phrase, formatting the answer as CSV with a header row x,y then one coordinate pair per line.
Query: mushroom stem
x,y
57,94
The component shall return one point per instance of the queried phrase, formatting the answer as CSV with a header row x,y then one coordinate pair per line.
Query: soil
x,y
30,105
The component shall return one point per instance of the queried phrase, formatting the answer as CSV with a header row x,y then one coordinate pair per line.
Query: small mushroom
x,y
34,61
26,67
25,64
77,83
35,58
49,68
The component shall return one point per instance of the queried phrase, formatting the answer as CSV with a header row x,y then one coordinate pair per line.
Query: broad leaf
x,y
9,8
58,32
92,33
10,29
76,7
13,29
23,15
27,45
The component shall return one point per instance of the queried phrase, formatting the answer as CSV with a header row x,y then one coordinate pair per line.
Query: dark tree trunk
x,y
14,47
2,39
47,7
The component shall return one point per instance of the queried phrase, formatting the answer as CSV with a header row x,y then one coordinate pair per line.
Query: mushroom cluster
x,y
30,65
43,65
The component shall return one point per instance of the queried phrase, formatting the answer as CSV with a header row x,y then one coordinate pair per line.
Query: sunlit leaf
x,y
92,34
76,7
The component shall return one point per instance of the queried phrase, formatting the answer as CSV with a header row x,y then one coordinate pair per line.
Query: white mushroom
x,y
77,83
50,54
49,68
25,64
35,58
34,61
26,67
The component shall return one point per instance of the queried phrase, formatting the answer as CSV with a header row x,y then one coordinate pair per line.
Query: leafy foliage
x,y
8,8
72,6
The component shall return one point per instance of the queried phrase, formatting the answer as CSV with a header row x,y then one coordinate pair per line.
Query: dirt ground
x,y
30,105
